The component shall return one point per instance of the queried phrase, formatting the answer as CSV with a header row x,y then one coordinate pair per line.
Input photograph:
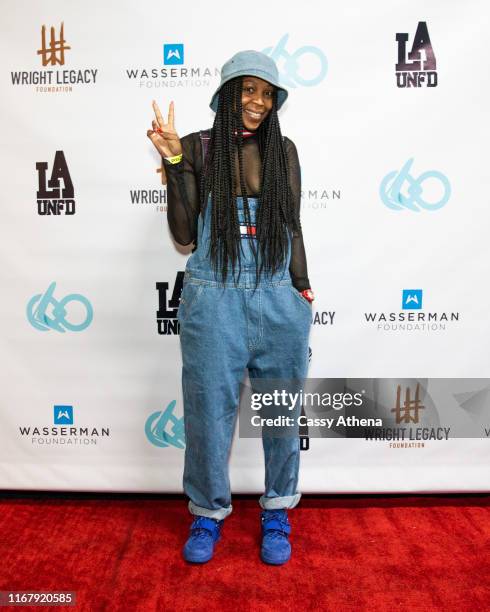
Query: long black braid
x,y
276,214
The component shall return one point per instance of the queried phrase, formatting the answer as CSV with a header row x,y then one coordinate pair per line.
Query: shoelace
x,y
200,532
276,534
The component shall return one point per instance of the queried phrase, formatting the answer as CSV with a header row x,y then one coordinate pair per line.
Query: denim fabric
x,y
225,328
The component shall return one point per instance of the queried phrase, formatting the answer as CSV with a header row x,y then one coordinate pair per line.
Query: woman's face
x,y
257,97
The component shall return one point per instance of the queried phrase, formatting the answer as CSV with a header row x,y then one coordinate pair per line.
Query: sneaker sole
x,y
271,561
202,560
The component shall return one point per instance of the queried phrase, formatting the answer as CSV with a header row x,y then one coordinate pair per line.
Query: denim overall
x,y
225,328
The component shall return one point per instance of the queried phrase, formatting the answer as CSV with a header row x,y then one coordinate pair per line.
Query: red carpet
x,y
349,553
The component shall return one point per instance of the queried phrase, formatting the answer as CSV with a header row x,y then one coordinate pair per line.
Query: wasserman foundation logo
x,y
63,432
175,72
173,54
411,321
317,197
412,299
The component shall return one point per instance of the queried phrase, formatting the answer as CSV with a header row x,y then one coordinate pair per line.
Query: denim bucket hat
x,y
250,63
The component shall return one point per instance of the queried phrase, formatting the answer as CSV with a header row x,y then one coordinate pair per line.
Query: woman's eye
x,y
250,89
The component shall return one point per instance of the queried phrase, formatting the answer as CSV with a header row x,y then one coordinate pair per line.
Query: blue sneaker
x,y
276,548
205,532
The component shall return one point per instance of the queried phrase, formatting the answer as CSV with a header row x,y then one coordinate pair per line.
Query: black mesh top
x,y
183,206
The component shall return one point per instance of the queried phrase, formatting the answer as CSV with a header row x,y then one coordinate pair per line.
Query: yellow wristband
x,y
175,159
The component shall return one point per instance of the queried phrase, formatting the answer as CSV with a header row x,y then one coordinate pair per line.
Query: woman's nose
x,y
258,98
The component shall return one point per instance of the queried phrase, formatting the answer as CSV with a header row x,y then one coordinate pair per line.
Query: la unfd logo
x,y
418,67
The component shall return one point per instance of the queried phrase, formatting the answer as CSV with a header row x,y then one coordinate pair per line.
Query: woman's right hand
x,y
163,135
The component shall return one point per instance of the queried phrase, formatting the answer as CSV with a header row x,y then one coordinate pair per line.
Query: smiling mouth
x,y
253,115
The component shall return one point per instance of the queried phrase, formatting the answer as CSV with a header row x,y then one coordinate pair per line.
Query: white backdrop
x,y
352,127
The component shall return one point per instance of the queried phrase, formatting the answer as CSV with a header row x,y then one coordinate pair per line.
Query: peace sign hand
x,y
163,135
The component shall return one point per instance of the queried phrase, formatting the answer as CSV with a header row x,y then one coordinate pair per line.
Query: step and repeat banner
x,y
388,108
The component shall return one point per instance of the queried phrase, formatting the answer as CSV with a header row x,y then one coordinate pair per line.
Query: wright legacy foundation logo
x,y
415,420
149,198
175,73
416,68
53,52
323,317
56,194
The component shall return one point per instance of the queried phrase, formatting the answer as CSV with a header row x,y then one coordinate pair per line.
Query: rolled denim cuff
x,y
218,513
277,503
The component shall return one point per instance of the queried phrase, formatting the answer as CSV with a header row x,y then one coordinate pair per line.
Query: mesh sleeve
x,y
183,191
298,267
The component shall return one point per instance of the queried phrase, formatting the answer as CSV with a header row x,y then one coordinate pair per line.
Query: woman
x,y
246,298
